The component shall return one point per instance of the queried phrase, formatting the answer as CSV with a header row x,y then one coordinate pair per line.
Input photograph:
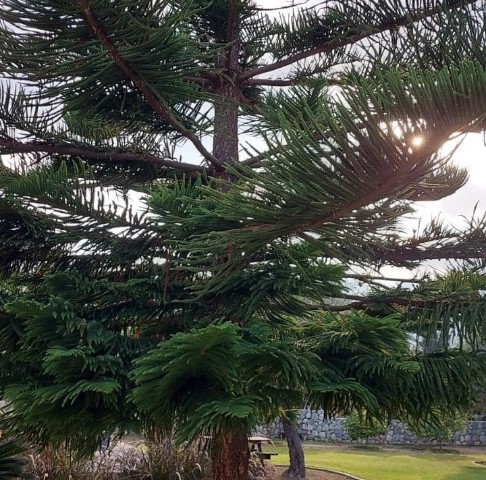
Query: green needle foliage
x,y
219,377
64,364
136,259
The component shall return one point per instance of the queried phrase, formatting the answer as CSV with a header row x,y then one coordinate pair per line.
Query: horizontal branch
x,y
270,82
288,82
358,302
367,32
272,9
14,146
377,279
254,161
460,250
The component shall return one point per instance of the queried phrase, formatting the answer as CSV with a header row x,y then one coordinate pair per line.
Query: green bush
x,y
440,428
361,427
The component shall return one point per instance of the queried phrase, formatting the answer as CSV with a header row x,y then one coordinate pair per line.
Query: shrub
x,y
12,464
164,461
152,461
440,428
360,427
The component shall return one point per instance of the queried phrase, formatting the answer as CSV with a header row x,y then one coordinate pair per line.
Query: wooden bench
x,y
266,455
256,447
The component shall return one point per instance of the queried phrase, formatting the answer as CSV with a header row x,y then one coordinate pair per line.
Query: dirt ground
x,y
315,474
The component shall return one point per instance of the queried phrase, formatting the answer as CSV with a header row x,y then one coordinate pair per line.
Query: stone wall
x,y
313,426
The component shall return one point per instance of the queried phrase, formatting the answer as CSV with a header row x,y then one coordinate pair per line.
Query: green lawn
x,y
391,464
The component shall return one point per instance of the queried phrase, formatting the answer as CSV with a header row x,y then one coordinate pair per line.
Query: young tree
x,y
98,92
441,429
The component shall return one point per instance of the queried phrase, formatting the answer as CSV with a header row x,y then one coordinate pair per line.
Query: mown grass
x,y
392,464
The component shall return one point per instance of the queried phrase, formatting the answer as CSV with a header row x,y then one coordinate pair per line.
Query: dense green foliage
x,y
205,302
68,359
360,430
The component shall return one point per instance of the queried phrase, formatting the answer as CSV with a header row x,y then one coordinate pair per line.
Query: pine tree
x,y
96,96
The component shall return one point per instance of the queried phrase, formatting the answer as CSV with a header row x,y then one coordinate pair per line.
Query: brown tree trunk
x,y
225,140
230,455
296,469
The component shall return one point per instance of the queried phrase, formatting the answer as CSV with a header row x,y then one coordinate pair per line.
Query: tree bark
x,y
225,140
296,469
230,455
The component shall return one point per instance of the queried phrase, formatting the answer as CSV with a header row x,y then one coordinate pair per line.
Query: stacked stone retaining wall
x,y
314,426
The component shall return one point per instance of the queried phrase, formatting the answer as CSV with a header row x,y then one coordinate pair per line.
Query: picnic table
x,y
256,447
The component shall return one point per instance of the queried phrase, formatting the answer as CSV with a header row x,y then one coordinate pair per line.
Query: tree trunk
x,y
230,455
225,140
296,452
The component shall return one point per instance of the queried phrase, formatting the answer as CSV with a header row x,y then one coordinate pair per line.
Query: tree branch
x,y
289,82
351,39
377,279
294,5
254,162
151,97
460,250
14,146
269,82
361,302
